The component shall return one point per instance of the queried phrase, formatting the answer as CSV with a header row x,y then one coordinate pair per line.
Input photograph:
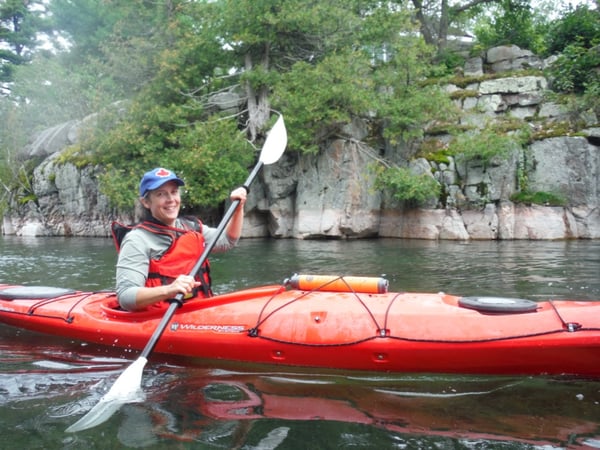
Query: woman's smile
x,y
164,203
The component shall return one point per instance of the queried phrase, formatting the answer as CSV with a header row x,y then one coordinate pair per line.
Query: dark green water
x,y
47,383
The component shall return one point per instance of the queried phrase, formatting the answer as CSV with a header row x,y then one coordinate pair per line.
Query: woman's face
x,y
164,203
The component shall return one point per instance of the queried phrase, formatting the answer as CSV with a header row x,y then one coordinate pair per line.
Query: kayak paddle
x,y
127,388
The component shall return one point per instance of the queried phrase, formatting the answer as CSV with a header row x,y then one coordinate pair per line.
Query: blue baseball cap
x,y
156,178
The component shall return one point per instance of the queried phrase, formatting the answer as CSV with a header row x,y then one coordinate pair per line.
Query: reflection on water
x,y
79,263
47,383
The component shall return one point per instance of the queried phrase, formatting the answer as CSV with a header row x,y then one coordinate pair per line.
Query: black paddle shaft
x,y
177,301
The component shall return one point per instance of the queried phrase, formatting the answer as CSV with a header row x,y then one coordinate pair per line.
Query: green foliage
x,y
114,45
376,76
406,103
95,28
448,62
112,55
406,186
512,24
211,156
19,184
14,180
321,63
589,100
86,23
13,136
484,144
575,70
318,99
538,198
291,30
525,165
408,110
20,21
50,93
580,27
434,150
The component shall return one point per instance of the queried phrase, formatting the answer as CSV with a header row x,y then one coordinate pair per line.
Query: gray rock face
x,y
333,198
68,204
569,166
510,57
331,195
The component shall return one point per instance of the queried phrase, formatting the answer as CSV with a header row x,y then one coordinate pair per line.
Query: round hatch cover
x,y
498,304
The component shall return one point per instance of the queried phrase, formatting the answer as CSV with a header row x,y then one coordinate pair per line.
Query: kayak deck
x,y
381,331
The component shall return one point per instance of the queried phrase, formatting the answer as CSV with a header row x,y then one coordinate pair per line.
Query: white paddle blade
x,y
275,143
125,390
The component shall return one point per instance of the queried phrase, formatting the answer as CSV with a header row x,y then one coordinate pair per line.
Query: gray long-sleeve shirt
x,y
140,246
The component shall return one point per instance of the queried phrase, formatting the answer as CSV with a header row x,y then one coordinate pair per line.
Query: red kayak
x,y
350,323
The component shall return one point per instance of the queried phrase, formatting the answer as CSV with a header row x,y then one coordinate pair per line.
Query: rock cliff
x,y
330,195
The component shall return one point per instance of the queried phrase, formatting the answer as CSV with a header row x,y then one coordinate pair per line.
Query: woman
x,y
156,256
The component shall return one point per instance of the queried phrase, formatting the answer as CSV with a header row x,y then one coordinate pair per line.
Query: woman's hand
x,y
234,229
239,194
183,284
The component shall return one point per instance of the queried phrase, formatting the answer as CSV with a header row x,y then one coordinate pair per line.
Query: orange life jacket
x,y
187,244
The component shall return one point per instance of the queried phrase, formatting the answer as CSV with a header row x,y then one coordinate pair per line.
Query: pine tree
x,y
20,23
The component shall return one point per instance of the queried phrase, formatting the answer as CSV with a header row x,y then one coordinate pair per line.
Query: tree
x,y
265,38
580,26
20,23
321,63
513,23
576,39
113,43
436,18
242,46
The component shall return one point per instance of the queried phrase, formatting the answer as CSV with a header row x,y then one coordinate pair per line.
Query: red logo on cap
x,y
162,173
